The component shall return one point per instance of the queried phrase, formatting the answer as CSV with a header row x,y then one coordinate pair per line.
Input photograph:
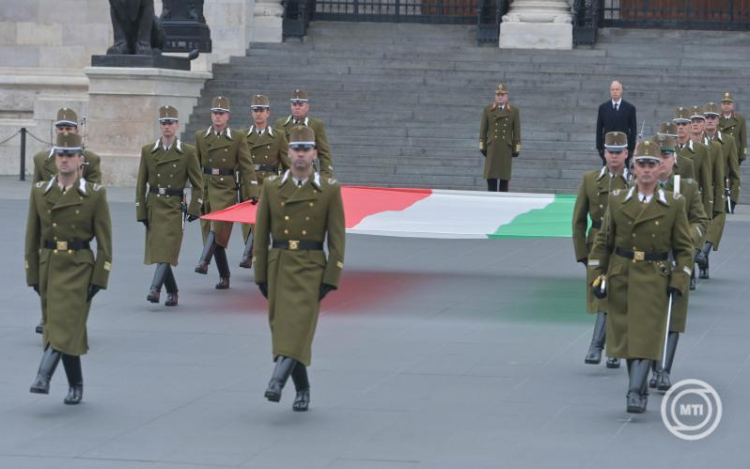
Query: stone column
x,y
268,17
123,113
537,24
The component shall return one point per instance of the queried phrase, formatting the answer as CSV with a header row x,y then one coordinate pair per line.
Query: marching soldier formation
x,y
638,232
642,239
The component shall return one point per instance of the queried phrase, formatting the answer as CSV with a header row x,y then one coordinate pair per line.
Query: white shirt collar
x,y
647,198
617,103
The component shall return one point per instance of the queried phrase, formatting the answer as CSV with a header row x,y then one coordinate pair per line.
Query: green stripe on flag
x,y
553,221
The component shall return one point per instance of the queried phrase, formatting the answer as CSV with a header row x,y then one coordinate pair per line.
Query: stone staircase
x,y
402,102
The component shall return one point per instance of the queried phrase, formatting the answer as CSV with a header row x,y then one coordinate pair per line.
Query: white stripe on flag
x,y
453,215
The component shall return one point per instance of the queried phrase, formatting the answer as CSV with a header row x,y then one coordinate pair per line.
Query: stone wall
x,y
45,45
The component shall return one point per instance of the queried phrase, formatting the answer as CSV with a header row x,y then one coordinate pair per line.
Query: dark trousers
x,y
493,187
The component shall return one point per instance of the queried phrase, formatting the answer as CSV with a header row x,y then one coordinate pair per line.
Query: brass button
x,y
54,225
286,217
657,222
304,232
633,235
286,231
312,204
282,204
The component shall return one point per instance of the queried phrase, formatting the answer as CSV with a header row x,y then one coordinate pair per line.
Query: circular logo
x,y
691,409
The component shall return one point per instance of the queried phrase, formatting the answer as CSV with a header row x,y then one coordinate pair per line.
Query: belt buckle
x,y
162,191
214,171
293,244
62,245
639,256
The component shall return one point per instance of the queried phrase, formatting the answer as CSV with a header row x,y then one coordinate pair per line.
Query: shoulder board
x,y
616,192
332,181
96,187
39,184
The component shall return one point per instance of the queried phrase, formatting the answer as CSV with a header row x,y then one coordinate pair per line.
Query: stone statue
x,y
136,29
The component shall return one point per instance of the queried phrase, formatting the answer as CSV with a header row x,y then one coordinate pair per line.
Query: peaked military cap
x,y
727,97
221,104
68,143
259,101
299,96
681,115
647,150
696,112
501,89
301,136
667,143
168,113
66,116
615,141
711,109
668,128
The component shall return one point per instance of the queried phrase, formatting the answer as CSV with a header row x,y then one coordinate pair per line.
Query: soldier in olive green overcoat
x,y
499,140
698,220
297,213
725,151
166,166
591,203
225,157
44,161
734,124
300,108
698,154
65,214
268,149
631,267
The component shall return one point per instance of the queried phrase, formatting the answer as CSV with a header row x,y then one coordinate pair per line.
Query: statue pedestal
x,y
124,109
268,18
537,24
141,61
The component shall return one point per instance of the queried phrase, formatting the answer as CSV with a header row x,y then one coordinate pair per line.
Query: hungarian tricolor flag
x,y
428,213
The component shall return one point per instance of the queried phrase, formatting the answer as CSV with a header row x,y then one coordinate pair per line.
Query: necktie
x,y
299,183
616,106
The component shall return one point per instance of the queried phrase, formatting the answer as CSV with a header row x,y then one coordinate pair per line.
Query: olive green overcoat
x,y
591,204
500,136
162,169
637,291
702,167
736,126
63,276
698,221
286,212
229,152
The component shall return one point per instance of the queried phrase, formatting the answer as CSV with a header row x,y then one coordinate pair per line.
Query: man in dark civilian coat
x,y
616,115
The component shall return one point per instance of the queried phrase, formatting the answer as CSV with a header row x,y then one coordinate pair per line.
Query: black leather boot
x,y
247,254
302,386
281,372
665,380
161,273
613,363
594,355
223,265
207,254
39,327
636,398
702,259
73,371
50,359
644,385
171,285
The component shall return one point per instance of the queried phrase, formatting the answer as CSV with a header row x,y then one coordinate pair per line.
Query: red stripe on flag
x,y
359,203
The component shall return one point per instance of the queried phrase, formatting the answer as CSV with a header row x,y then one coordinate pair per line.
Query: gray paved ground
x,y
434,354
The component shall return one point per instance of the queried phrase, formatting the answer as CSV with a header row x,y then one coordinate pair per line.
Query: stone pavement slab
x,y
433,354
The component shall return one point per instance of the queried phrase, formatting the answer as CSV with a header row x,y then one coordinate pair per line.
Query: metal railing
x,y
677,14
489,17
586,15
23,132
297,17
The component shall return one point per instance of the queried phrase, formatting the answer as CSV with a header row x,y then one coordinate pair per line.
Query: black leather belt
x,y
641,255
265,167
163,191
596,224
294,245
218,172
75,245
